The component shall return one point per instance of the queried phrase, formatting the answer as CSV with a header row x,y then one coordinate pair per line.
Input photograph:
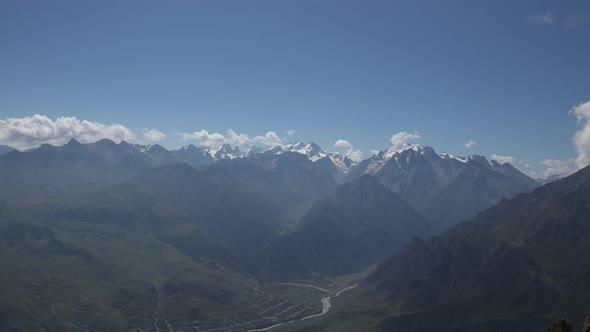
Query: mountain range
x,y
444,187
113,262
513,267
359,224
106,236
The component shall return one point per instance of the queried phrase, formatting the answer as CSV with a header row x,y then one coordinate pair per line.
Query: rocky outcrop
x,y
560,325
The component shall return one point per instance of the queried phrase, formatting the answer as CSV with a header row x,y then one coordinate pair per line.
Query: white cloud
x,y
153,135
582,136
213,140
32,131
559,168
355,155
205,138
543,19
290,132
342,143
503,159
269,139
237,140
562,167
351,153
470,144
375,152
401,139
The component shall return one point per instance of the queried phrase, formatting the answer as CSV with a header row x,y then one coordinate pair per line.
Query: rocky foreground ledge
x,y
563,325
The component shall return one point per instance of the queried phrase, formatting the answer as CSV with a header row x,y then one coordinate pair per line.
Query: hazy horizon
x,y
492,79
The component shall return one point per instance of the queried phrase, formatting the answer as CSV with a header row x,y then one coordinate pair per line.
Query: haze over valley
x,y
279,166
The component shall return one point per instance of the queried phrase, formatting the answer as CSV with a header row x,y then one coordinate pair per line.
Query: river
x,y
326,306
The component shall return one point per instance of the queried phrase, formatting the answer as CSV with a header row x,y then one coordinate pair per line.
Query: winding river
x,y
326,305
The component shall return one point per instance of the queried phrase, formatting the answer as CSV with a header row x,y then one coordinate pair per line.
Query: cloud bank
x,y
582,136
153,135
503,159
269,139
470,144
214,140
558,168
32,131
403,138
581,140
342,143
561,167
351,153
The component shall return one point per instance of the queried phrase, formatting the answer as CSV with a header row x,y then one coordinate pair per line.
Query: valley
x,y
271,241
294,166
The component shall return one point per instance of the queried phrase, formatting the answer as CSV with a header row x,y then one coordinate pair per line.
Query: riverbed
x,y
326,306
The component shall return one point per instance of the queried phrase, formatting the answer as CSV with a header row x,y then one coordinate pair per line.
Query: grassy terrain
x,y
107,276
133,265
350,278
514,267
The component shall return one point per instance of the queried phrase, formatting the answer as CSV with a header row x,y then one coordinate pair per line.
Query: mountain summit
x,y
508,269
444,187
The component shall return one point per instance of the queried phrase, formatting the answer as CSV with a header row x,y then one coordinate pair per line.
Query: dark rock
x,y
560,325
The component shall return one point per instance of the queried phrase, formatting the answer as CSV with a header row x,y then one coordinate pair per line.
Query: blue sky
x,y
502,73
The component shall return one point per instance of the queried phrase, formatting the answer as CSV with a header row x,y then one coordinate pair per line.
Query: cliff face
x,y
562,325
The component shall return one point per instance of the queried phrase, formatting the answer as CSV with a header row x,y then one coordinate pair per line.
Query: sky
x,y
508,79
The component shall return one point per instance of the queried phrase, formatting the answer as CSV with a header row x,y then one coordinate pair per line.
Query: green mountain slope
x,y
53,170
124,262
231,213
290,180
513,267
359,224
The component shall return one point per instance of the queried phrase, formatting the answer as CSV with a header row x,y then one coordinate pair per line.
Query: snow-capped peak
x,y
342,162
256,150
462,159
311,150
142,147
189,147
225,151
294,146
391,152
